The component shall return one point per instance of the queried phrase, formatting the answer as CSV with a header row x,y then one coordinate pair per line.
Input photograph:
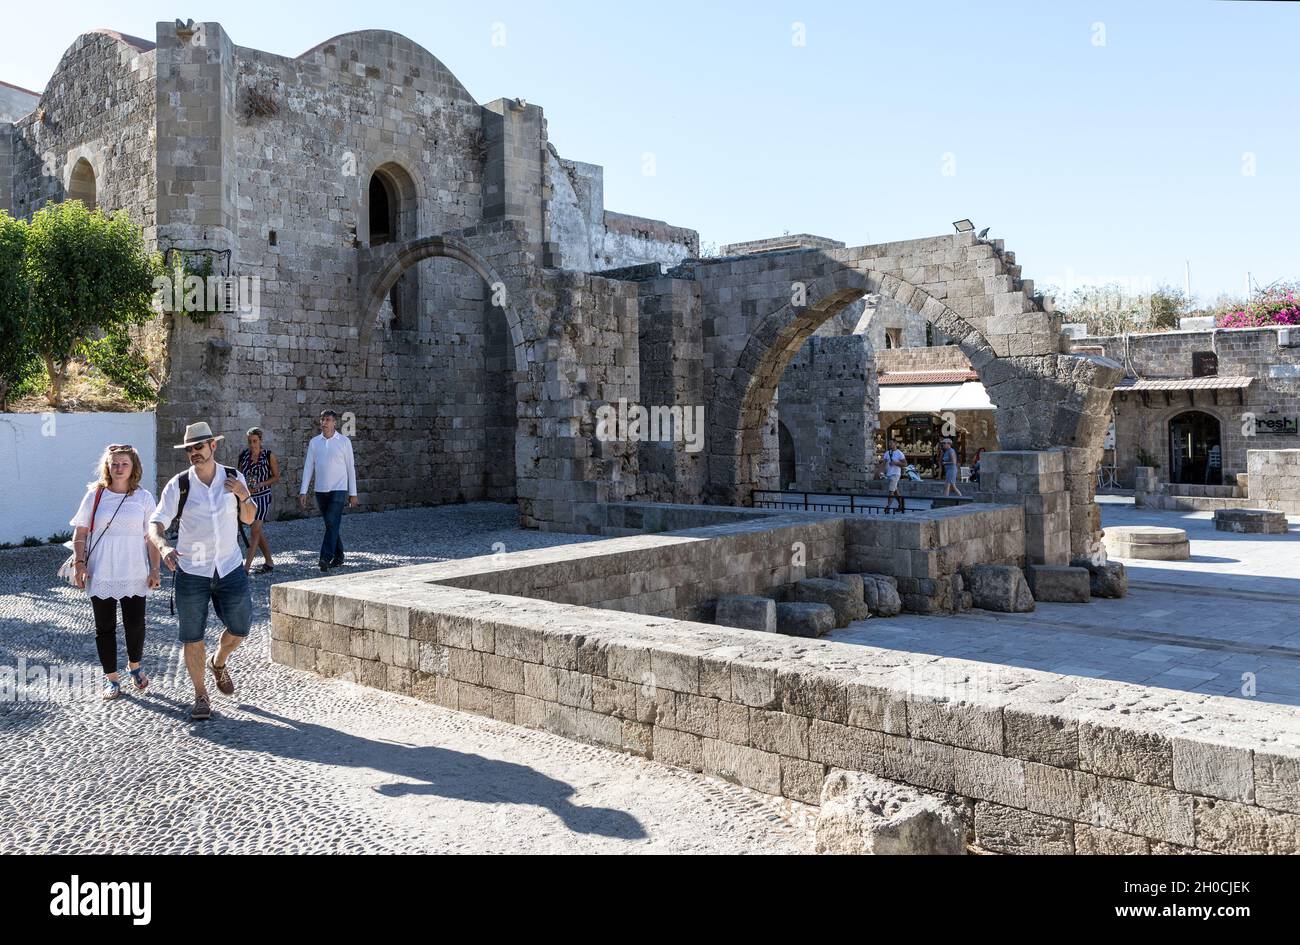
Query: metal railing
x,y
855,503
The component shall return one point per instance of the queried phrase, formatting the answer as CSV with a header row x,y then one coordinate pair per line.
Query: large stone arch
x,y
743,398
380,267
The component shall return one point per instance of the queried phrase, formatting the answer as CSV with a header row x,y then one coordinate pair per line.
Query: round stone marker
x,y
1153,542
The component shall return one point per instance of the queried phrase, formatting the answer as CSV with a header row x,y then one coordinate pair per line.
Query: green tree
x,y
91,279
1167,305
16,357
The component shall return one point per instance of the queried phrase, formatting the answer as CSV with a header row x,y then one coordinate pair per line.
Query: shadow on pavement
x,y
443,772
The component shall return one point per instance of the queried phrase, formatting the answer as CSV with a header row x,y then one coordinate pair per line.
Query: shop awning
x,y
934,398
1213,382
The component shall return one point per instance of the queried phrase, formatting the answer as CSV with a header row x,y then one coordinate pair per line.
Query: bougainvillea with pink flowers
x,y
1276,305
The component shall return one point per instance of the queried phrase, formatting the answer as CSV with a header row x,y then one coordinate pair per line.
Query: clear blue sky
x,y
1093,161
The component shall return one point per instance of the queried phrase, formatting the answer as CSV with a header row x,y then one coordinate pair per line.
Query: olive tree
x,y
90,280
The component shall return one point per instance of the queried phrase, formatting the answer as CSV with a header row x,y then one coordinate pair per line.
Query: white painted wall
x,y
46,459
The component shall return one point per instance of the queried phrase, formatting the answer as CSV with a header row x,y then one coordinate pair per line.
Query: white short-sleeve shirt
x,y
208,540
116,552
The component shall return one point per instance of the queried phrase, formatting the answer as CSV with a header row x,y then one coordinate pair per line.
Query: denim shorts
x,y
230,596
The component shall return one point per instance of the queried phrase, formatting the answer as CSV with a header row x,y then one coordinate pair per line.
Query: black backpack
x,y
183,484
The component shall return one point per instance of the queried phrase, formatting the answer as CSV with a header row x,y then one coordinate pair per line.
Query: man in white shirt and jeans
x,y
894,463
329,459
207,561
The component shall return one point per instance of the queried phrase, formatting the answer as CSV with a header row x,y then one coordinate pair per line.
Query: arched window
x,y
392,217
81,185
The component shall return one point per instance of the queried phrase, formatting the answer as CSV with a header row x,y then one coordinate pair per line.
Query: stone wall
x,y
828,402
1142,420
930,552
98,105
1274,479
1046,763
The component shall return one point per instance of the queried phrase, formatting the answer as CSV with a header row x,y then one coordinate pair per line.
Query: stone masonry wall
x,y
98,105
1045,763
829,402
930,552
1142,422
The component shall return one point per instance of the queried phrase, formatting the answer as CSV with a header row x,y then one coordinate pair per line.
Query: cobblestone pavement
x,y
299,763
1223,623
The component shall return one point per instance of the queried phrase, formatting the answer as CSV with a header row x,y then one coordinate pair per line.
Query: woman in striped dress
x,y
262,470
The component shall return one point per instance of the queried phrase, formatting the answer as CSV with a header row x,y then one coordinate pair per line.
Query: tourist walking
x,y
262,471
948,458
329,461
115,563
210,501
894,461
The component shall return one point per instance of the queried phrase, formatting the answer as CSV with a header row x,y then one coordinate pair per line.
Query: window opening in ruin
x,y
82,186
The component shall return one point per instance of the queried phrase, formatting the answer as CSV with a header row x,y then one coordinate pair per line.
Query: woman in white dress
x,y
115,562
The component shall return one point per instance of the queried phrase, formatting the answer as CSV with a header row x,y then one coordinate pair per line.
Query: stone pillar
x,y
1036,480
1085,515
1273,479
514,178
196,210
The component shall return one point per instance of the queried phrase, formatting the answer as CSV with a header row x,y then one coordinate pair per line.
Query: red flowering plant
x,y
1276,305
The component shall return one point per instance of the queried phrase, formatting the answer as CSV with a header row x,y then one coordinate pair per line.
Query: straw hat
x,y
197,433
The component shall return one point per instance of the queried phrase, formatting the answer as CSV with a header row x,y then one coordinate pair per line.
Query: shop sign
x,y
1277,426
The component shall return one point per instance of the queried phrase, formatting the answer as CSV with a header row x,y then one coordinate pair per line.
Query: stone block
x,y
1008,830
1251,521
749,767
839,597
806,619
1223,771
678,748
1059,583
1098,841
779,732
1277,782
1000,587
802,780
1126,753
861,813
1109,579
882,599
1227,827
748,613
1047,739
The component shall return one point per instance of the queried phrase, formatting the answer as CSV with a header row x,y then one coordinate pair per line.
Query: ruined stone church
x,y
437,270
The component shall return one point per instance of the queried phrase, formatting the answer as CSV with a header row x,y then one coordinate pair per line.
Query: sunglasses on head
x,y
120,447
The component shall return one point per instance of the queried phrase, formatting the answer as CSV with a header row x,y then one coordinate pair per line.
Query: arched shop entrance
x,y
1195,455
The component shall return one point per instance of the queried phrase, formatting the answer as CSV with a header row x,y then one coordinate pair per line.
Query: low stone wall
x,y
1046,763
1274,479
678,575
927,551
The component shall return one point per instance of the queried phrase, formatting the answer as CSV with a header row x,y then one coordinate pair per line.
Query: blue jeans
x,y
331,510
230,596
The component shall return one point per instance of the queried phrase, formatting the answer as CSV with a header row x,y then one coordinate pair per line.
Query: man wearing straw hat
x,y
211,501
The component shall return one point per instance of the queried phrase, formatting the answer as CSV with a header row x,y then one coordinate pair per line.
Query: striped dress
x,y
257,473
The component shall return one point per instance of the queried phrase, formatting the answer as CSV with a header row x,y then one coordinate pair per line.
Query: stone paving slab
x,y
300,763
